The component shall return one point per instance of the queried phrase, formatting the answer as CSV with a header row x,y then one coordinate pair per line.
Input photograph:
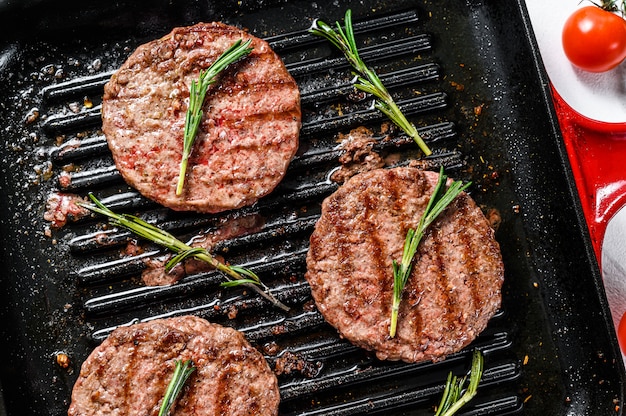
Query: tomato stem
x,y
612,6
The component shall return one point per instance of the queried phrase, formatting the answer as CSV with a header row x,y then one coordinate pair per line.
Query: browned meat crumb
x,y
155,274
289,363
61,208
358,155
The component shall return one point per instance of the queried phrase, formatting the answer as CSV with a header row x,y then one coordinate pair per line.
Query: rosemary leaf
x,y
246,272
452,400
182,371
437,203
197,93
183,251
182,256
366,78
233,283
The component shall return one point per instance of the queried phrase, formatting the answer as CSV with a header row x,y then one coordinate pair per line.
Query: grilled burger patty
x,y
129,372
454,287
247,137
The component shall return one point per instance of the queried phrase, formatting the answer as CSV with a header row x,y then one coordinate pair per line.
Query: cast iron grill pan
x,y
469,99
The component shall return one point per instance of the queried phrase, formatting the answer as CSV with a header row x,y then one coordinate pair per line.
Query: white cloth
x,y
614,265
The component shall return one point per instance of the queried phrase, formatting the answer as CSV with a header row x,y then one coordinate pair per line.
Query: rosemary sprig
x,y
366,78
438,202
197,93
183,370
452,400
235,275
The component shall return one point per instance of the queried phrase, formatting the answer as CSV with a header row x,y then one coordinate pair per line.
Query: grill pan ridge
x,y
466,72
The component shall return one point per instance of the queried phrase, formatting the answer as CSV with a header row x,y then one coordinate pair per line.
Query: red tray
x,y
597,153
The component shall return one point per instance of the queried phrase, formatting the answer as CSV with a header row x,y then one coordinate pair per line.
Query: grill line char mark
x,y
229,89
372,204
223,398
441,286
344,247
131,371
396,197
171,338
470,281
251,120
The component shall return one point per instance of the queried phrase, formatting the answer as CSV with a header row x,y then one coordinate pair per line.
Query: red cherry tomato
x,y
594,39
621,333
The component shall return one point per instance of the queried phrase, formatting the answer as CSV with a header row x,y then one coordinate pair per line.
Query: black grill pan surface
x,y
467,73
